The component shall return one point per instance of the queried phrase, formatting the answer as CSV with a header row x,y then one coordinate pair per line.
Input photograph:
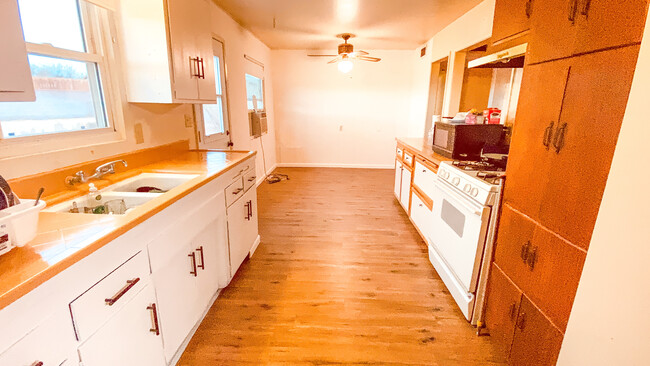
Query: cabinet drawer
x,y
95,306
543,265
421,215
400,153
250,179
234,191
424,178
50,343
408,159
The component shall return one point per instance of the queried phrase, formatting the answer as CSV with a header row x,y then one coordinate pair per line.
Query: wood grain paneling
x,y
536,342
341,277
502,308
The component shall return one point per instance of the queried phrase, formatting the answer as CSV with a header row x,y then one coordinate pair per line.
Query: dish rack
x,y
18,224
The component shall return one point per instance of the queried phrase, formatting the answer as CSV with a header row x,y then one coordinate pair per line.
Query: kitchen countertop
x,y
423,149
63,238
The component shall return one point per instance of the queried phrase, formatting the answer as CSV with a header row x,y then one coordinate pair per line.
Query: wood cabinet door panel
x,y
503,300
610,23
539,105
596,97
553,35
536,342
510,18
515,233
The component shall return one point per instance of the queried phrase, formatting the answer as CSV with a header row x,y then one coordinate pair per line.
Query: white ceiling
x,y
313,24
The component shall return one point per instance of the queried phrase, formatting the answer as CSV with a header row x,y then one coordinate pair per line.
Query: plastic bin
x,y
22,221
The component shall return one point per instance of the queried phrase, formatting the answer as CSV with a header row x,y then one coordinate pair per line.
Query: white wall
x,y
610,323
239,41
165,123
327,118
473,27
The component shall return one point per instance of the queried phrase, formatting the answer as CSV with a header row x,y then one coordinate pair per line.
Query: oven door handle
x,y
472,208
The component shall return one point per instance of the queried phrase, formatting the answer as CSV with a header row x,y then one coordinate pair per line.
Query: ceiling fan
x,y
347,54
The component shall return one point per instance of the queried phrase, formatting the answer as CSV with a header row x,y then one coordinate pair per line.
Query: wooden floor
x,y
341,277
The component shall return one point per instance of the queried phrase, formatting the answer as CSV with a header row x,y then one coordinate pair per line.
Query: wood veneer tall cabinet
x,y
167,51
573,98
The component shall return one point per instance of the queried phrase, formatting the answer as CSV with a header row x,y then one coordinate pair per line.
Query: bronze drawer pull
x,y
202,265
521,321
524,251
252,179
512,312
237,191
129,285
548,135
154,319
37,363
193,271
532,258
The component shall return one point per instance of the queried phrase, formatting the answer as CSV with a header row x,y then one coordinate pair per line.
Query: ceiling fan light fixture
x,y
345,66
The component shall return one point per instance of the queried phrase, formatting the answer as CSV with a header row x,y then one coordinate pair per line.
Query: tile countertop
x,y
423,149
63,239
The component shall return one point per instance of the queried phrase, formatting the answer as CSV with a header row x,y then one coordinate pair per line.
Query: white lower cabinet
x,y
421,215
398,178
131,337
242,228
405,193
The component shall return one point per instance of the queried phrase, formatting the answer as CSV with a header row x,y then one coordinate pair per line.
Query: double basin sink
x,y
123,196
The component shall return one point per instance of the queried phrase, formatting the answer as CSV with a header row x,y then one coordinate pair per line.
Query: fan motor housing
x,y
345,48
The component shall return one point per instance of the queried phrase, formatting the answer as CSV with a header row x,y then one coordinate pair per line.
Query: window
x,y
254,92
213,118
66,54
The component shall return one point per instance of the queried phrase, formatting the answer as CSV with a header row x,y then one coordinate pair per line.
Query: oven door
x,y
458,233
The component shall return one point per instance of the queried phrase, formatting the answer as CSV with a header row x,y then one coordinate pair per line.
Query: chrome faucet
x,y
100,171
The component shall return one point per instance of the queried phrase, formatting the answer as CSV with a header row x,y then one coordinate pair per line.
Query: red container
x,y
492,116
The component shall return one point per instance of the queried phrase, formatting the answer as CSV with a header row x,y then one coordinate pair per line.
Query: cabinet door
x,y
129,338
206,84
510,18
15,76
182,25
212,259
178,298
610,23
536,341
398,178
539,106
515,235
553,30
503,300
596,97
405,194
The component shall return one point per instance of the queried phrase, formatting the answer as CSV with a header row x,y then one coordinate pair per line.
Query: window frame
x,y
99,29
222,138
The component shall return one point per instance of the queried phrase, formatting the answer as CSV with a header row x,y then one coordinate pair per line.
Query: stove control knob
x,y
455,181
474,192
467,188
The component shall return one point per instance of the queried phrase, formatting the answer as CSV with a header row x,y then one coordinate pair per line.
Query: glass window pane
x,y
254,92
217,74
213,118
67,99
52,21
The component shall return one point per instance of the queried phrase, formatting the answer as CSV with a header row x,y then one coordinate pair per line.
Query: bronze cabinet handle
x,y
201,65
521,321
154,319
524,251
548,135
512,311
193,257
251,179
573,7
37,363
585,8
558,140
236,191
529,8
532,259
129,285
200,250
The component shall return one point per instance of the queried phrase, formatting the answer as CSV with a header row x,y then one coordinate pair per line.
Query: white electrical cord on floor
x,y
272,178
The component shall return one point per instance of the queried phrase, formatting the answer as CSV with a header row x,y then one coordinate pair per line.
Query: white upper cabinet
x,y
15,76
168,51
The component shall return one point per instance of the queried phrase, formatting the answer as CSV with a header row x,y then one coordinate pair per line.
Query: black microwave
x,y
464,141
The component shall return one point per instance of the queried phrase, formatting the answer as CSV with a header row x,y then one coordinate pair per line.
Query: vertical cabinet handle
x,y
193,258
524,251
202,265
37,363
529,8
585,8
558,141
201,68
512,311
548,135
521,321
532,258
129,285
573,7
250,209
154,319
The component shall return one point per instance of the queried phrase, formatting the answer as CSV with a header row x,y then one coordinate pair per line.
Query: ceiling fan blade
x,y
322,55
334,60
360,53
368,58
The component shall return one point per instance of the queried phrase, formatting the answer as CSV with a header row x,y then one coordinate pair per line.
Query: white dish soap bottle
x,y
94,198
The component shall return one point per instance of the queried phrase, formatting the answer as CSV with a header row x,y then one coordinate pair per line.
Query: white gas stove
x,y
465,202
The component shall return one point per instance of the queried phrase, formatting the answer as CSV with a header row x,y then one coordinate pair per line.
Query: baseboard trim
x,y
254,247
260,180
333,165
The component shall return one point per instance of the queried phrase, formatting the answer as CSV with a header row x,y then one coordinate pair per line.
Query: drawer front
x,y
234,190
250,179
421,215
424,178
400,153
408,159
95,306
51,343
